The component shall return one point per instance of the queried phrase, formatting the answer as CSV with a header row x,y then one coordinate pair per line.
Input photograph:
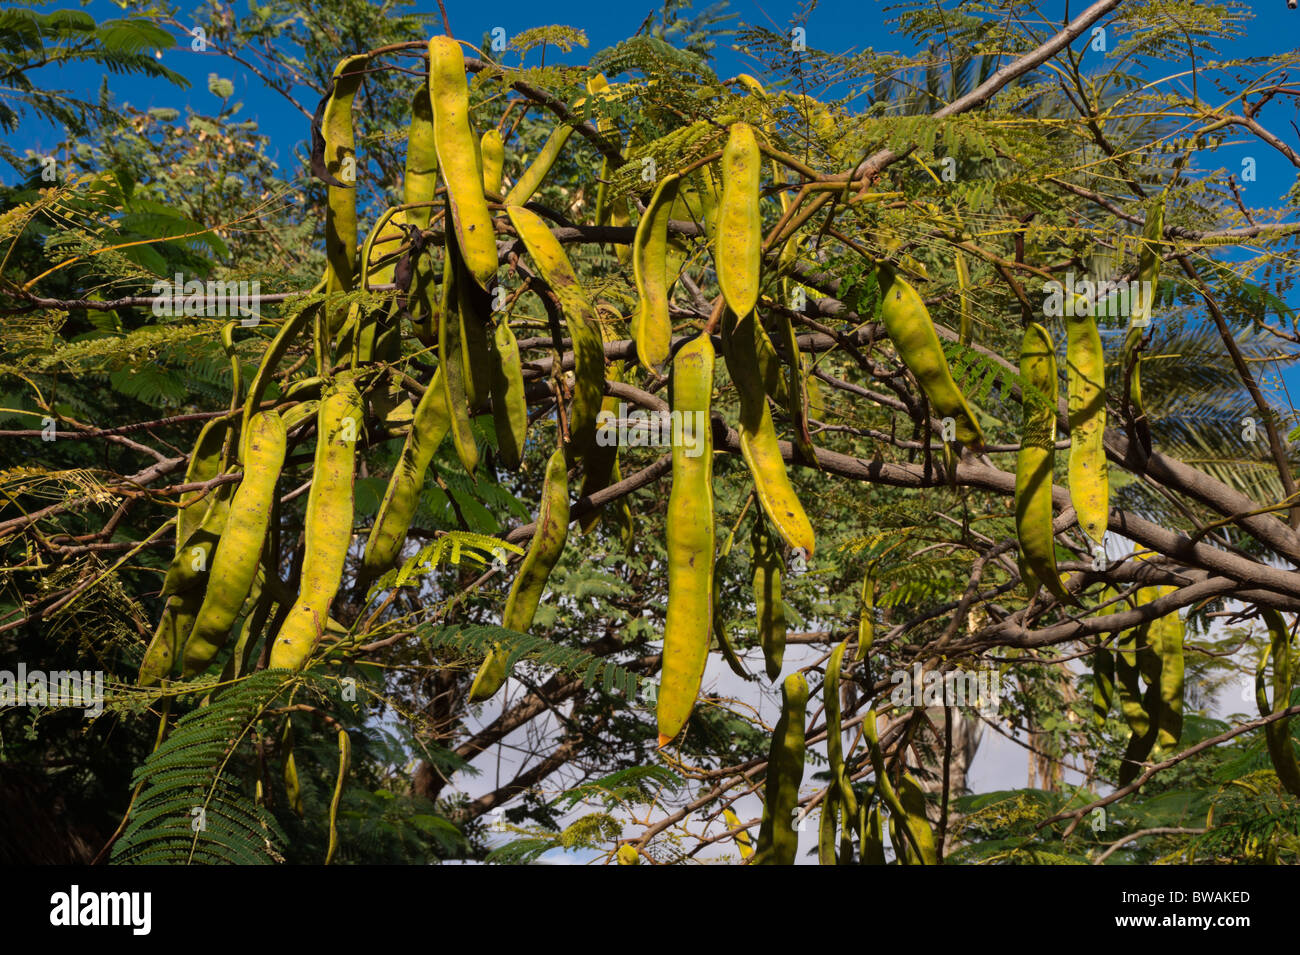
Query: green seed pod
x,y
535,174
778,842
758,442
509,406
526,591
768,566
1277,734
910,328
843,788
1034,464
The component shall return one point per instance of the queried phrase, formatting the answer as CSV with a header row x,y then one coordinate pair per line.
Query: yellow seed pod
x,y
457,157
341,164
421,182
738,252
581,319
235,563
429,426
1086,381
690,525
509,406
328,531
758,441
492,153
652,328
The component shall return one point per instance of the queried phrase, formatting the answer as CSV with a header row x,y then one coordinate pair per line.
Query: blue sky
x,y
839,26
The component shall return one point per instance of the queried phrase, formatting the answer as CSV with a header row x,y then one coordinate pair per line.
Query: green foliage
x,y
30,40
478,640
192,808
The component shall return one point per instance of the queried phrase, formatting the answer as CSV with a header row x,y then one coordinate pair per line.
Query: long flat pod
x,y
758,442
778,842
867,614
834,744
204,465
234,565
601,460
421,186
428,428
341,164
738,251
1140,319
289,330
1034,462
509,406
526,591
796,395
912,799
768,605
1166,635
916,842
579,317
457,158
1103,684
652,328
909,326
963,290
181,588
691,542
421,182
451,360
826,829
1086,383
492,154
328,527
188,569
1277,735
365,329
473,310
1137,706
720,621
872,837
608,212
533,177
